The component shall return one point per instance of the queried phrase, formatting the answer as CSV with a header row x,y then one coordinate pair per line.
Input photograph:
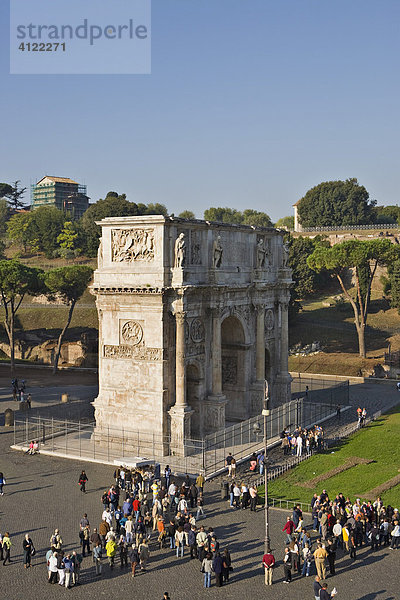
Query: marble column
x,y
216,354
180,377
284,336
260,345
180,412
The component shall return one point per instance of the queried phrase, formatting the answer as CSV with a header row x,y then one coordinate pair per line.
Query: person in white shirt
x,y
53,568
299,444
182,504
107,516
236,495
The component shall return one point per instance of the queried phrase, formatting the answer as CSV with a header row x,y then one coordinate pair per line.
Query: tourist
x,y
111,550
323,593
288,529
179,541
253,462
200,504
76,561
29,551
268,562
217,567
287,566
395,536
56,540
69,569
307,558
60,568
144,554
6,548
233,467
253,497
97,556
200,481
82,481
207,568
134,559
236,495
317,587
226,565
245,495
52,567
320,556
228,463
2,483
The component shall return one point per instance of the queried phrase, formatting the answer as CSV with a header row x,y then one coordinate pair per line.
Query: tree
x,y
16,280
14,195
69,283
387,214
5,190
256,218
19,229
47,224
306,280
112,206
285,223
68,236
5,214
336,204
235,217
187,214
223,215
364,258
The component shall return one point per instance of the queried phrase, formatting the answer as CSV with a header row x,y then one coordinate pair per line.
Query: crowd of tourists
x,y
147,513
302,441
342,527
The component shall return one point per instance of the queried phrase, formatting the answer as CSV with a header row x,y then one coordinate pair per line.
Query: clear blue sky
x,y
249,104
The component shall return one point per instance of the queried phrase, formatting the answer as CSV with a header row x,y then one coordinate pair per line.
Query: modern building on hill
x,y
61,192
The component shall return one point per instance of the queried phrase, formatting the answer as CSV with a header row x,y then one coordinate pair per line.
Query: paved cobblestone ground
x,y
42,493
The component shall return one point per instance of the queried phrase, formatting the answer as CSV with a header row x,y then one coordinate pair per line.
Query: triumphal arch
x,y
193,317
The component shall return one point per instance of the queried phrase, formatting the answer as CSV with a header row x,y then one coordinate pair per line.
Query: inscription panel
x,y
135,352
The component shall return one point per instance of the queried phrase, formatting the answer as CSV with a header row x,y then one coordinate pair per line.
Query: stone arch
x,y
235,357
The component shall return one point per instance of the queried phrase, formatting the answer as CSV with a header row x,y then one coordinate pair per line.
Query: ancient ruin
x,y
193,317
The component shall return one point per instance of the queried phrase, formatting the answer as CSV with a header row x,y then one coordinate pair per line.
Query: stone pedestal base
x,y
281,388
256,398
180,430
178,276
214,413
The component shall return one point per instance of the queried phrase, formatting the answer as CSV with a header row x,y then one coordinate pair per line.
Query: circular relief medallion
x,y
132,332
269,319
197,330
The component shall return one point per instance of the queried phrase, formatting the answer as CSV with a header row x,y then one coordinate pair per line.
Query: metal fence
x,y
375,226
321,390
77,439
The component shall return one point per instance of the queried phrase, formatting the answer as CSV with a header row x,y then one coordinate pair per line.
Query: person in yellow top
x,y
200,481
6,547
320,556
155,489
111,550
345,535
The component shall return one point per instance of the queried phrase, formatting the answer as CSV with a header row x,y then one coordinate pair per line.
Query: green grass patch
x,y
52,318
379,441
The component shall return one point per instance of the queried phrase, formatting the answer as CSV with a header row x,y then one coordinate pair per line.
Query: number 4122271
x,y
41,47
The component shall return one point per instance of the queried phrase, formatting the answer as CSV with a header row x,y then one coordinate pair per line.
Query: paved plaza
x,y
42,493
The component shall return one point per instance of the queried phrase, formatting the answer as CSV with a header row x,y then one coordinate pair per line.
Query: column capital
x,y
180,316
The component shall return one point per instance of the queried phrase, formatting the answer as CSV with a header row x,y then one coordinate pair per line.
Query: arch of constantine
x,y
193,317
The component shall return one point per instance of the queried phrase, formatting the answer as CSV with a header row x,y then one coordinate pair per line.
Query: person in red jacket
x,y
268,562
288,529
136,508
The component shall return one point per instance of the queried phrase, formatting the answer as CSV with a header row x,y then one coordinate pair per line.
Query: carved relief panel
x,y
129,245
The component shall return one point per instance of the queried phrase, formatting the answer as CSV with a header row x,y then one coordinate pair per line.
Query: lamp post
x,y
265,413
